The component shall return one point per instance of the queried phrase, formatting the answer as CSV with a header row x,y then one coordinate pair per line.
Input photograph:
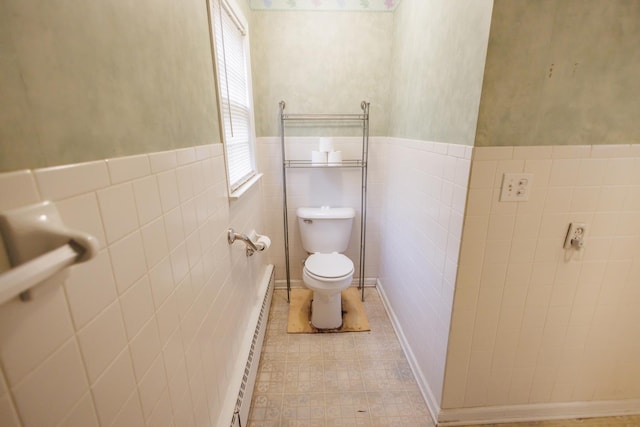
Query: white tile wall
x,y
128,339
544,343
53,388
424,186
28,193
118,209
60,182
533,323
124,169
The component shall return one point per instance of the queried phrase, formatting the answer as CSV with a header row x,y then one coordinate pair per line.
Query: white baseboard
x,y
427,393
538,412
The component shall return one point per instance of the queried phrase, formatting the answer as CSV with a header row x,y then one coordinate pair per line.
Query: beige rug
x,y
354,318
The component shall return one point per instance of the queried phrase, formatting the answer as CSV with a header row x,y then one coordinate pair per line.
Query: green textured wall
x,y
438,60
320,62
562,72
86,80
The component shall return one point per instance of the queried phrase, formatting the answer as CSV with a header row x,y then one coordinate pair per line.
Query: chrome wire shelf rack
x,y
310,164
330,120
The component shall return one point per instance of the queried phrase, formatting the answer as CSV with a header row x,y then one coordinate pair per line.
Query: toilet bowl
x,y
327,275
325,234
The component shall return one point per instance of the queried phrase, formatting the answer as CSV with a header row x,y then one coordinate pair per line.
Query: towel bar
x,y
39,246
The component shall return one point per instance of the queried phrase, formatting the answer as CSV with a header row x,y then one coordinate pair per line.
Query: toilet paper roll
x,y
265,241
334,157
319,158
326,144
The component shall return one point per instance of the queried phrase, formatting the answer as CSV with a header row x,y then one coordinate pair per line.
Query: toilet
x,y
325,234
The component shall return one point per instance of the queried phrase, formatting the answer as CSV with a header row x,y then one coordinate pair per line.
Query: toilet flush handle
x,y
308,221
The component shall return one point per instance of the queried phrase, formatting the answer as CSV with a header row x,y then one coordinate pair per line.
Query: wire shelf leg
x,y
363,199
284,203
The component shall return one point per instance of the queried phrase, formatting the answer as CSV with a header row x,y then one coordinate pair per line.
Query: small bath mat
x,y
354,318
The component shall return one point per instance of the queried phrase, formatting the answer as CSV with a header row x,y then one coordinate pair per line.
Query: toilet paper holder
x,y
255,243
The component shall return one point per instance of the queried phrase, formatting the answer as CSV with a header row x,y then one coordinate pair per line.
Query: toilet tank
x,y
325,229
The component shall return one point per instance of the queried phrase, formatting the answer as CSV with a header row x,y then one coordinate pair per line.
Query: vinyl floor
x,y
335,379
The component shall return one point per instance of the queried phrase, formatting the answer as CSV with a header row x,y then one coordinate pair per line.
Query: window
x,y
234,88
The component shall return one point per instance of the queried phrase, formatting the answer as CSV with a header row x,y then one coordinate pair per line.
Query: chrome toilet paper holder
x,y
258,243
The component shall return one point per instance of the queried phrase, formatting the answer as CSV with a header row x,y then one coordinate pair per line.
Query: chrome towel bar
x,y
19,280
39,246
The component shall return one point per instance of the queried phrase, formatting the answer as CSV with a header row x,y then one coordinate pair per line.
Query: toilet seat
x,y
327,275
328,267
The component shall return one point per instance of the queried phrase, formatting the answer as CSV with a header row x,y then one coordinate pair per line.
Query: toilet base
x,y
326,310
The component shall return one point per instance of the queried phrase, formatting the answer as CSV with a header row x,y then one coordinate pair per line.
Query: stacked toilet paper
x,y
325,153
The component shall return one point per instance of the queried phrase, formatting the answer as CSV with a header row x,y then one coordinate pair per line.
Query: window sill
x,y
235,195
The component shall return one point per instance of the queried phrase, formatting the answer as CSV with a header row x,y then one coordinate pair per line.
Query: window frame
x,y
236,189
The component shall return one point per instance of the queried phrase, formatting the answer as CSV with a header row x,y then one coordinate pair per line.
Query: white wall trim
x,y
538,412
236,194
427,394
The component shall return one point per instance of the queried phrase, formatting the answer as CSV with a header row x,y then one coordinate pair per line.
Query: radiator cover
x,y
243,403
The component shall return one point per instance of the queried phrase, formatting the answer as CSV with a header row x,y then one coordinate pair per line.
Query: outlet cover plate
x,y
516,187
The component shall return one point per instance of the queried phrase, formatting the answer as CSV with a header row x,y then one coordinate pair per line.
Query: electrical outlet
x,y
575,235
515,187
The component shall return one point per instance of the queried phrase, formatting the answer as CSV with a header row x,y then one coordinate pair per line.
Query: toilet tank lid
x,y
326,212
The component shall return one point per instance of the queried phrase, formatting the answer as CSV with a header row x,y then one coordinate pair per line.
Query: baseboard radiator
x,y
243,404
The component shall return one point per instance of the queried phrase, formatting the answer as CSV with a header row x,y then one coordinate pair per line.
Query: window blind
x,y
234,97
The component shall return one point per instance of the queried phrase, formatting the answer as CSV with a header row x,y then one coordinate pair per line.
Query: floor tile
x,y
332,380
